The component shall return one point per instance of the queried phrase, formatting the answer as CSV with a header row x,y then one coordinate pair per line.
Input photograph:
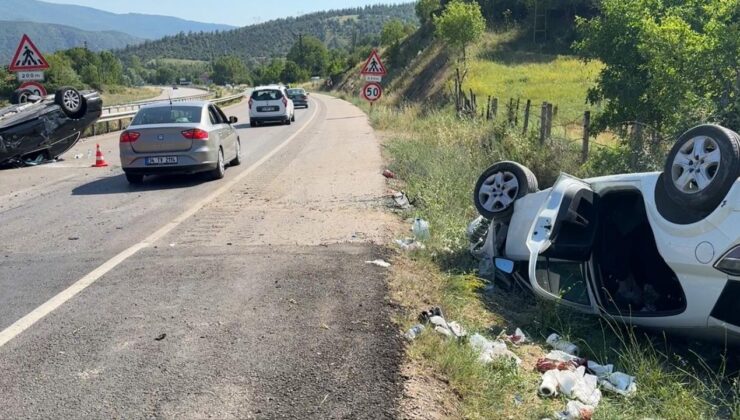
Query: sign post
x,y
373,72
29,64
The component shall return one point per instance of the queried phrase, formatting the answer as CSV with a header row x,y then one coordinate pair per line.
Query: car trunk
x,y
162,138
269,106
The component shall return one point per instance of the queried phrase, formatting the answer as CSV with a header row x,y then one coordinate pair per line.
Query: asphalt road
x,y
247,297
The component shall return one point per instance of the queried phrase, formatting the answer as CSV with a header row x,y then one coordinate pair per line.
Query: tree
x,y
230,69
460,25
111,69
293,73
60,72
425,8
392,33
165,76
670,64
310,54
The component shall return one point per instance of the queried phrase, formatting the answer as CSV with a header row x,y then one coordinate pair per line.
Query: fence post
x,y
526,116
488,108
548,134
586,135
511,111
555,111
543,122
495,107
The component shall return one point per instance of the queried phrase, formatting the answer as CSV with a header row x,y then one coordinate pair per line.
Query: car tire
x,y
238,159
702,167
220,170
70,101
500,186
252,124
135,179
20,96
292,119
287,121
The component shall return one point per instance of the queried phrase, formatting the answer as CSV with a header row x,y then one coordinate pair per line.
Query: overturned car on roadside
x,y
45,126
660,250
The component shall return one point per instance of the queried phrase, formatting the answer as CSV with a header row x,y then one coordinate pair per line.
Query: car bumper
x,y
174,169
203,158
272,118
300,103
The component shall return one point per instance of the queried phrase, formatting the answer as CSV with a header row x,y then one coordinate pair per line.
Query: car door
x,y
219,128
560,243
230,135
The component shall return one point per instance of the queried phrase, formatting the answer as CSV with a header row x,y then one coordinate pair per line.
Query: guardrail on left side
x,y
114,121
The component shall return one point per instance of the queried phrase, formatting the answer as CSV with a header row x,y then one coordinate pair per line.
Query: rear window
x,y
168,115
294,92
267,95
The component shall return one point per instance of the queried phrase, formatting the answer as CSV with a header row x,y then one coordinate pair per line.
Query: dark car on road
x,y
299,97
47,126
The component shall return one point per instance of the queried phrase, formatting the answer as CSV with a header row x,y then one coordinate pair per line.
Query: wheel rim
x,y
499,191
696,165
23,97
71,100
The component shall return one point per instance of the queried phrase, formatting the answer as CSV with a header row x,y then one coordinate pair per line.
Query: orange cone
x,y
99,159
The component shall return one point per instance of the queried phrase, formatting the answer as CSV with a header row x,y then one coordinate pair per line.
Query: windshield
x,y
267,95
168,115
296,92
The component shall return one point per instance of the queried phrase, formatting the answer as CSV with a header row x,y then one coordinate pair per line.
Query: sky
x,y
230,12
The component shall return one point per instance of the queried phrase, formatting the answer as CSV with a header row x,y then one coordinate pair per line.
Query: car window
x,y
215,118
294,92
565,279
267,95
168,115
221,114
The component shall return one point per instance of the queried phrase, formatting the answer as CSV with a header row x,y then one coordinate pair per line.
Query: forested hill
x,y
336,28
49,38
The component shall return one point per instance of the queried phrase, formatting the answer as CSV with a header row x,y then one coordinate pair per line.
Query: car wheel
x,y
238,159
20,96
292,119
500,186
70,100
287,121
220,169
135,179
702,167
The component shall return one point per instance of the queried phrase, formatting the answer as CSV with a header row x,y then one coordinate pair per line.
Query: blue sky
x,y
230,12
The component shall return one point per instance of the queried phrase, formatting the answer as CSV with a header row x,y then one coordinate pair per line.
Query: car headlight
x,y
730,262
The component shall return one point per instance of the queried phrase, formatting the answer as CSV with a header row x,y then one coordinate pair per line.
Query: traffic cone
x,y
99,159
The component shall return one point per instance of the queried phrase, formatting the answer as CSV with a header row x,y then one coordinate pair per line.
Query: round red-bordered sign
x,y
372,91
35,87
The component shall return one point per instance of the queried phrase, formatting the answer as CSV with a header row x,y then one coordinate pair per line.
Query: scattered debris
x,y
420,229
425,315
409,244
450,329
79,156
518,337
575,410
518,400
556,342
292,301
324,326
379,263
573,384
492,350
544,364
401,200
74,238
414,331
160,337
389,174
619,383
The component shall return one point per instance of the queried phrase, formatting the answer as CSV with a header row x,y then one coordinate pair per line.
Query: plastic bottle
x,y
414,331
420,228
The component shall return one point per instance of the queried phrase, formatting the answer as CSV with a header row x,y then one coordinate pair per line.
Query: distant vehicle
x,y
299,97
189,137
270,104
660,250
175,87
47,126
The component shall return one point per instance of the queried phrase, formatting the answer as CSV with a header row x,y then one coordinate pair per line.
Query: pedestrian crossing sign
x,y
373,66
27,57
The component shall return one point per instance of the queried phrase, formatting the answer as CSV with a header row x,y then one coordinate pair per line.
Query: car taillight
x,y
195,134
129,136
250,103
730,262
285,101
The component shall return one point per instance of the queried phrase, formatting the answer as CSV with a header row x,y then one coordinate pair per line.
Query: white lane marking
x,y
50,305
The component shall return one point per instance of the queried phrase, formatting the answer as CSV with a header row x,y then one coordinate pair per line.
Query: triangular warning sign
x,y
27,57
373,66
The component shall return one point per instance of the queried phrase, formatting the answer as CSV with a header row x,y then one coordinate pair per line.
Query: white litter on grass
x,y
619,383
409,244
488,350
561,356
602,371
576,410
573,384
449,329
556,342
379,263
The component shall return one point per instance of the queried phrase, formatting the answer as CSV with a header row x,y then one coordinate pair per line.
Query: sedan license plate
x,y
268,109
162,160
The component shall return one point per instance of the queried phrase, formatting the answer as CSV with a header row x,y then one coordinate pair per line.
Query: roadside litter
x,y
576,410
518,337
379,263
449,329
575,384
556,342
489,351
420,229
401,200
414,331
388,174
409,244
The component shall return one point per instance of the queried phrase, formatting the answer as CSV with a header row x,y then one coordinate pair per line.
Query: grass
x,y
125,95
438,157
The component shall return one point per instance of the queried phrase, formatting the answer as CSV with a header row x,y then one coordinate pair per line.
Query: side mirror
x,y
233,120
504,265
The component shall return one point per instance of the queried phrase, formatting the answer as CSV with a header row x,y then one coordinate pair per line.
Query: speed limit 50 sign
x,y
372,92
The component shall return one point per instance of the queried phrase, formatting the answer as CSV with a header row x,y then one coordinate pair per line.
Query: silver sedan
x,y
183,138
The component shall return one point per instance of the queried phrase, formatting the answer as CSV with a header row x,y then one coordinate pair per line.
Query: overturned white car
x,y
660,250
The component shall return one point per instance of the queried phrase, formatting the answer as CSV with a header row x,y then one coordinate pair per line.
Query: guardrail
x,y
120,116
